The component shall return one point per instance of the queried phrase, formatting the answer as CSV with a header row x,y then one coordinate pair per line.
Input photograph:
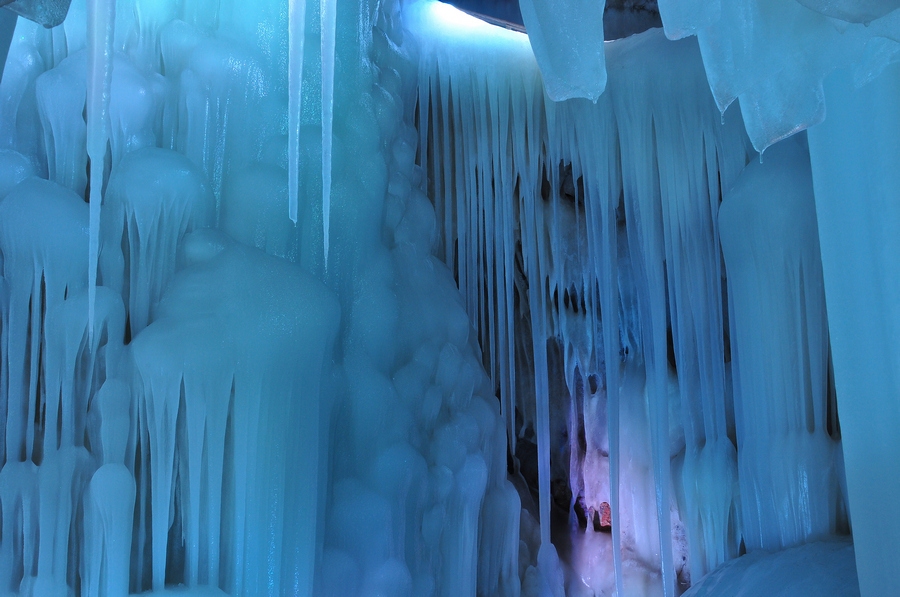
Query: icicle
x,y
329,22
101,16
448,173
296,36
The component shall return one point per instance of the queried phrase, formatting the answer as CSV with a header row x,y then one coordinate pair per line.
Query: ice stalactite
x,y
217,118
329,23
77,361
197,404
297,35
60,95
621,262
576,68
155,196
43,239
101,15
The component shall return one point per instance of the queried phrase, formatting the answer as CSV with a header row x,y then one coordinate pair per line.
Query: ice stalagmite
x,y
296,36
101,15
329,23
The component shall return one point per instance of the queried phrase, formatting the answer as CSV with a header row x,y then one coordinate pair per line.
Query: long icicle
x,y
101,18
296,37
329,22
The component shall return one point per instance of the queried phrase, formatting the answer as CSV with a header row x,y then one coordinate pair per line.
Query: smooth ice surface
x,y
854,156
773,56
825,568
567,39
14,168
785,418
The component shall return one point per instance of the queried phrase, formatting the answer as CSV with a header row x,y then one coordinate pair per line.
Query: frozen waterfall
x,y
386,300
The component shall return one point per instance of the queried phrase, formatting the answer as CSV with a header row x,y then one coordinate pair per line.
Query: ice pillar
x,y
855,155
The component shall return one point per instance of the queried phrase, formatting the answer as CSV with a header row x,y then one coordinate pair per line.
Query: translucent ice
x,y
567,39
785,437
774,55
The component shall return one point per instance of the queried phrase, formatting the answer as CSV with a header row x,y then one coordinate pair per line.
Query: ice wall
x,y
238,419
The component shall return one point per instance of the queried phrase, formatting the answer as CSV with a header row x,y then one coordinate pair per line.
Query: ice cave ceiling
x,y
376,298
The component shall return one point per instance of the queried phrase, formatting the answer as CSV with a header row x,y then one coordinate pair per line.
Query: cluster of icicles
x,y
106,444
175,416
620,249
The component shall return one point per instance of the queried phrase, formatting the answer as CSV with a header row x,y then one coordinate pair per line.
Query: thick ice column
x,y
459,541
61,479
109,498
789,484
19,500
855,155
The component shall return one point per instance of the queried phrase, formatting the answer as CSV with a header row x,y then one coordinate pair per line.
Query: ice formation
x,y
355,260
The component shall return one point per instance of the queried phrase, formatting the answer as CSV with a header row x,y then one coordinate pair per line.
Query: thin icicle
x,y
296,37
101,17
329,22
